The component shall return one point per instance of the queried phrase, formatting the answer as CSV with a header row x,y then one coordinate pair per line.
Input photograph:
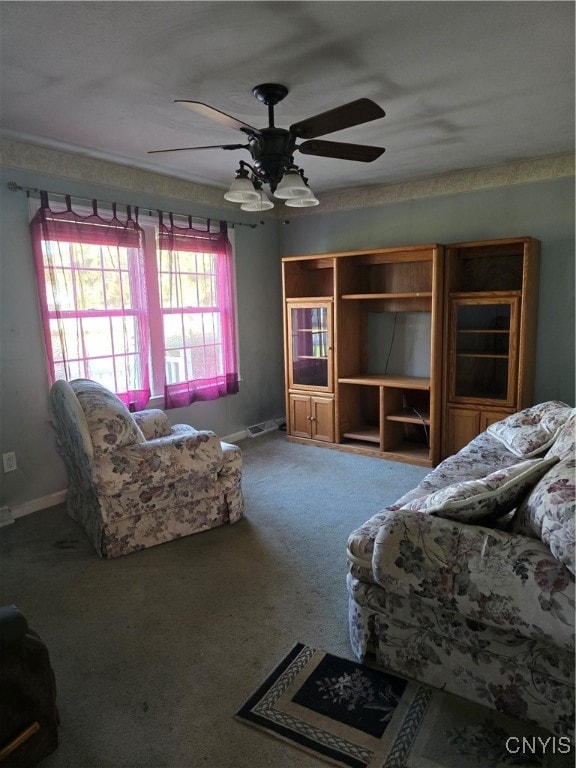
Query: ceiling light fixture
x,y
262,204
272,149
287,183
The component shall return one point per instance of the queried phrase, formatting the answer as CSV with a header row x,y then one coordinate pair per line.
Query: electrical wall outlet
x,y
9,461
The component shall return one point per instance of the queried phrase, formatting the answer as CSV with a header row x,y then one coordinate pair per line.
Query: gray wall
x,y
543,210
24,425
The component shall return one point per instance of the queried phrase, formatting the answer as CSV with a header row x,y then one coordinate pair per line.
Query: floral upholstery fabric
x,y
564,447
506,581
549,512
489,497
110,423
478,610
531,431
524,677
479,458
154,423
147,492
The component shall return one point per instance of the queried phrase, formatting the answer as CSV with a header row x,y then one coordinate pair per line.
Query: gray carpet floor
x,y
154,652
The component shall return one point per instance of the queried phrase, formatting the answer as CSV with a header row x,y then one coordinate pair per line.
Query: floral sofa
x,y
134,479
467,582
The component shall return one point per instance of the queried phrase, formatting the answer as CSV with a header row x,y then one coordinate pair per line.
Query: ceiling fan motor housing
x,y
272,151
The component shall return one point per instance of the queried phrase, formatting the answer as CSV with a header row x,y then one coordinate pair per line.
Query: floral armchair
x,y
466,583
134,479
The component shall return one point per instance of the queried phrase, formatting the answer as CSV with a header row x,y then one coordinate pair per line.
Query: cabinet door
x,y
310,345
322,421
300,416
483,351
491,417
463,425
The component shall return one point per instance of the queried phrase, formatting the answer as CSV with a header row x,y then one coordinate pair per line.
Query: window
x,y
116,301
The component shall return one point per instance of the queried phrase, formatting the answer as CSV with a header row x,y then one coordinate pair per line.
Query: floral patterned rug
x,y
352,715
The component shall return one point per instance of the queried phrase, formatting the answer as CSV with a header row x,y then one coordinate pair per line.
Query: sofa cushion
x,y
110,423
532,431
549,512
492,496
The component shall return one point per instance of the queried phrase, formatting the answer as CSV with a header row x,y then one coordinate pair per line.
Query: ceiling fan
x,y
272,148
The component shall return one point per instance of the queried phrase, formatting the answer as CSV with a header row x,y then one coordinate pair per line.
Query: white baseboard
x,y
244,433
235,437
35,505
9,514
6,516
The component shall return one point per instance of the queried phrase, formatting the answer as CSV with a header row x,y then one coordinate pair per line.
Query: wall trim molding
x,y
73,166
42,502
522,172
70,165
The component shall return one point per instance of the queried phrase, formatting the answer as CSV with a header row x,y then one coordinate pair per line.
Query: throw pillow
x,y
109,421
549,512
492,496
533,430
153,422
565,444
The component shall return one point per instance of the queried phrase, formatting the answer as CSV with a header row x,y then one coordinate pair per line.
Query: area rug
x,y
352,715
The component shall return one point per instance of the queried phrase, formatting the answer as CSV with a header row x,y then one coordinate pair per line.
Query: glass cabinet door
x,y
483,351
310,345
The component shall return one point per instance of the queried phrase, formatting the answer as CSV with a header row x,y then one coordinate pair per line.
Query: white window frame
x,y
149,223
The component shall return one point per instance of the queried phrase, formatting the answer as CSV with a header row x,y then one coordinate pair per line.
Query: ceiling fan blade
x,y
216,114
360,152
353,113
209,146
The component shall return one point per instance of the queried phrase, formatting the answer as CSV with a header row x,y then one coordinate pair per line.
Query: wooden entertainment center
x,y
407,353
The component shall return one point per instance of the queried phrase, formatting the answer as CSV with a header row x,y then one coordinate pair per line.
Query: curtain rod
x,y
13,187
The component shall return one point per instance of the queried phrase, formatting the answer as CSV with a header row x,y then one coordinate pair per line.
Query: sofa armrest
x,y
500,579
161,461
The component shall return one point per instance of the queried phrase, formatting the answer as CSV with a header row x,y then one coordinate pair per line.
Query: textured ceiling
x,y
464,84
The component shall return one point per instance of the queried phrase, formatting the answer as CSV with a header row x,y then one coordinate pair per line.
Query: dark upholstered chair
x,y
28,713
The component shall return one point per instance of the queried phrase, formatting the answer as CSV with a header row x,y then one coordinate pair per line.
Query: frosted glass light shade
x,y
242,191
303,202
263,204
291,186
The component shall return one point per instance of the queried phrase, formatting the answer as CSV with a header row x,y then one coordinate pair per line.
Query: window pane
x,y
87,256
74,369
90,287
193,329
97,336
55,253
102,370
173,331
127,369
60,290
124,334
66,336
117,289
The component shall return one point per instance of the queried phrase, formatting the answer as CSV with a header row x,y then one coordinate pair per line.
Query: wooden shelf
x,y
307,299
484,330
379,380
368,296
407,416
366,434
312,357
483,294
475,355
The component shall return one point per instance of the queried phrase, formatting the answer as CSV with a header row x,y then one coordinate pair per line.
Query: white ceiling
x,y
464,84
